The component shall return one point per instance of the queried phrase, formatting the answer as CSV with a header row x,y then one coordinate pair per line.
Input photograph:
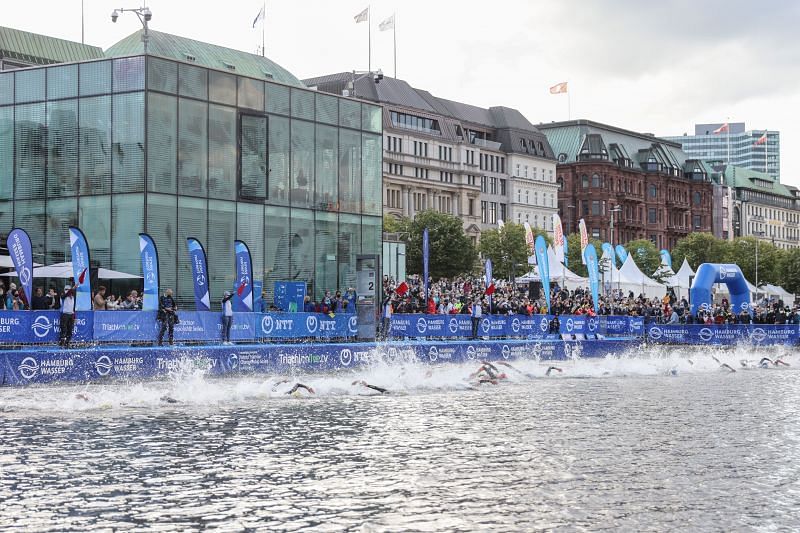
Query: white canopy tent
x,y
680,280
64,270
635,280
780,292
558,273
7,262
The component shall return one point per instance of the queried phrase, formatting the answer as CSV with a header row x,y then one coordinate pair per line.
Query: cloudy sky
x,y
655,67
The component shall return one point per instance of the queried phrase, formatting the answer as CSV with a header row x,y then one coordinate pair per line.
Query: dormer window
x,y
229,66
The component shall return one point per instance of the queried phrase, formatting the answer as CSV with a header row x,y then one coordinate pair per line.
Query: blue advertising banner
x,y
594,275
543,261
758,334
258,301
39,327
197,257
288,292
243,295
566,250
80,269
608,252
20,250
622,253
666,259
149,253
426,250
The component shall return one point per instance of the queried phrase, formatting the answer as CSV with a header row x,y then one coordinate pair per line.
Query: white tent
x,y
635,280
64,270
680,280
7,262
780,292
558,273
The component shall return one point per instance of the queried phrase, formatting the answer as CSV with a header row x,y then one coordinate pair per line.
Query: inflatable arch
x,y
710,273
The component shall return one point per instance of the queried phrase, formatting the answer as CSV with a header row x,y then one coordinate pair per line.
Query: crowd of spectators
x,y
500,297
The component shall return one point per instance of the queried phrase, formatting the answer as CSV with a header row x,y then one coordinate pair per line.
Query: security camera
x,y
147,14
378,76
114,16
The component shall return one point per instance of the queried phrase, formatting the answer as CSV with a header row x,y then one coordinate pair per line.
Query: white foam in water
x,y
190,386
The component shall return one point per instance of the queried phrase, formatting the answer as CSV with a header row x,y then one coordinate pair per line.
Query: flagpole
x,y
369,38
263,20
394,32
569,104
766,158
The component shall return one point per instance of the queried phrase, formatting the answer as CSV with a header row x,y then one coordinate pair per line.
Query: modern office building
x,y
734,145
628,185
764,208
20,49
482,165
191,139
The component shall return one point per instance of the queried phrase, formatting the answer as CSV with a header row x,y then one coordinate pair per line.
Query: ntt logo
x,y
346,357
352,324
422,324
311,324
103,365
267,324
28,368
41,326
706,334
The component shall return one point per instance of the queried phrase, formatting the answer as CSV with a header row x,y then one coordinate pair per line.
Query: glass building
x,y
191,140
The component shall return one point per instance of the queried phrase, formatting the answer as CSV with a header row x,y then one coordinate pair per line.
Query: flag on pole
x,y
559,88
761,140
722,129
363,16
529,237
260,16
500,224
584,240
402,288
558,237
387,24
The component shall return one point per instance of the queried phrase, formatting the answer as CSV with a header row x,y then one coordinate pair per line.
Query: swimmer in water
x,y
373,387
295,390
487,373
728,367
766,361
550,369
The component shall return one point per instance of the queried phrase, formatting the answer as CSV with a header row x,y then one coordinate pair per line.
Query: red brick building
x,y
647,185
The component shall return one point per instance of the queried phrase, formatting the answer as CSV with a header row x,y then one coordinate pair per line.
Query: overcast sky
x,y
655,67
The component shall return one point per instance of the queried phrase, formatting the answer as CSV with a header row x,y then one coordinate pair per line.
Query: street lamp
x,y
144,15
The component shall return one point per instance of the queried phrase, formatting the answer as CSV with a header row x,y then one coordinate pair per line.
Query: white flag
x,y
558,237
363,16
387,24
260,16
584,239
500,224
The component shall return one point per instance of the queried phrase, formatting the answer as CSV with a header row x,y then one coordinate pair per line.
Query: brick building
x,y
642,186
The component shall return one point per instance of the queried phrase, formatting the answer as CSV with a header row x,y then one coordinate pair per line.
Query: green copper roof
x,y
204,54
743,178
43,50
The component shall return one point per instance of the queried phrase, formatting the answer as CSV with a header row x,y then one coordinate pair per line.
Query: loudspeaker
x,y
534,287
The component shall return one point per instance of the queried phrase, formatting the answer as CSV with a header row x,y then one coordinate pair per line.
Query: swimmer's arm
x,y
300,386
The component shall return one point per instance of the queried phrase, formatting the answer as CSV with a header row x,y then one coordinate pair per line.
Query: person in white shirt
x,y
477,314
227,317
67,321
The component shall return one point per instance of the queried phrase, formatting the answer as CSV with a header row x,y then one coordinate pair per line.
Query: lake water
x,y
653,440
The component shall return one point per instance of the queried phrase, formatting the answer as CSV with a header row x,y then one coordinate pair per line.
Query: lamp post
x,y
144,15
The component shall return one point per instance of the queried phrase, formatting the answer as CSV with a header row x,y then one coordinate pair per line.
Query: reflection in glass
x,y
254,157
162,123
192,147
95,145
222,152
31,151
349,171
127,149
327,166
302,163
62,164
278,160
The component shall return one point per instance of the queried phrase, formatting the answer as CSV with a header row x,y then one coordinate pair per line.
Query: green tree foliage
x,y
742,251
392,224
790,270
699,248
451,251
574,254
645,255
506,248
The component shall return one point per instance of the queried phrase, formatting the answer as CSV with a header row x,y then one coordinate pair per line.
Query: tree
x,y
574,254
645,254
392,224
451,251
742,252
699,248
790,270
506,248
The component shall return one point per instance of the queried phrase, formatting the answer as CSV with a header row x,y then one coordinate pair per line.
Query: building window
x,y
484,187
595,181
493,185
502,187
697,198
653,191
518,166
585,181
595,207
484,212
492,212
471,207
696,219
503,211
651,215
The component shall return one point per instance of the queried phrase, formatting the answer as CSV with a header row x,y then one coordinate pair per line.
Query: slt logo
x,y
422,324
570,324
655,333
311,324
103,365
506,351
453,326
485,326
267,324
433,354
544,324
28,368
515,325
471,351
352,324
758,335
345,357
41,326
706,334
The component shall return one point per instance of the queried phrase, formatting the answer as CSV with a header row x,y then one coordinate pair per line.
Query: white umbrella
x,y
64,270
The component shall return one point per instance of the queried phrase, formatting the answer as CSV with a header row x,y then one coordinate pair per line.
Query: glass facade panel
x,y
61,214
371,118
222,152
161,225
279,160
253,142
29,215
6,152
162,75
31,151
277,241
302,104
326,275
349,113
29,85
327,108
192,147
251,93
6,217
221,234
62,138
95,78
250,229
127,161
62,82
350,171
94,156
302,185
6,88
371,234
222,87
192,222
193,81
372,158
128,74
277,99
349,246
127,221
327,154
94,218
301,246
162,147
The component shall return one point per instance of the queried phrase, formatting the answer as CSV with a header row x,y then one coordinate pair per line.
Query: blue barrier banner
x,y
80,269
243,284
20,250
149,253
197,257
723,334
287,292
306,325
38,327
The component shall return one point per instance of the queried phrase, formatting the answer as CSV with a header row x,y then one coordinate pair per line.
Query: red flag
x,y
490,289
240,290
82,277
725,127
402,289
761,140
